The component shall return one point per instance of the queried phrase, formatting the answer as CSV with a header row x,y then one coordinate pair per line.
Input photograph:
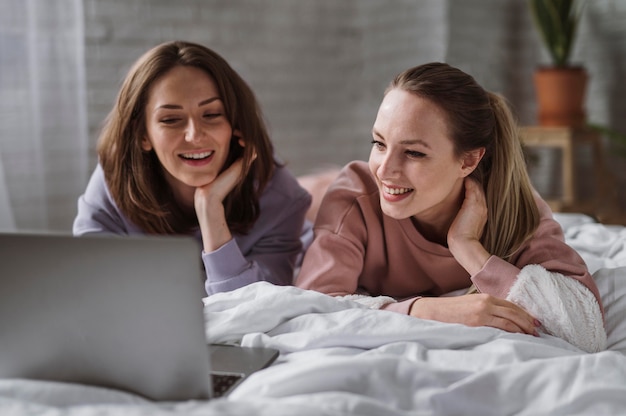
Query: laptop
x,y
118,312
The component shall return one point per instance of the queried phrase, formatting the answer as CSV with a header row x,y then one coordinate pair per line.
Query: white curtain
x,y
43,122
7,223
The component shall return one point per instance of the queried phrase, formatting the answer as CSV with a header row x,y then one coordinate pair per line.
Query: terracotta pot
x,y
561,96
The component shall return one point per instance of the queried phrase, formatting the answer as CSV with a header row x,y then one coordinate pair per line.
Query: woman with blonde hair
x,y
185,151
445,207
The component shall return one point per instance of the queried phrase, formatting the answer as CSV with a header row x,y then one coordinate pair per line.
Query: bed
x,y
339,357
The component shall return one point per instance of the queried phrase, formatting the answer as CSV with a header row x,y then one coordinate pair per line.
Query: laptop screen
x,y
119,312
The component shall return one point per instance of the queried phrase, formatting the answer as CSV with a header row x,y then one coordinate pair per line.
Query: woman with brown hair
x,y
445,206
185,151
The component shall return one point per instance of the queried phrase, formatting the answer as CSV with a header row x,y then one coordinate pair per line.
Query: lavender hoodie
x,y
268,252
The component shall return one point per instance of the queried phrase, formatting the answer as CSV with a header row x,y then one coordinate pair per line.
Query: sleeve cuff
x,y
496,277
566,308
225,262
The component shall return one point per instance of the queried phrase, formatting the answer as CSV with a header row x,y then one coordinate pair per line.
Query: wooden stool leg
x,y
568,172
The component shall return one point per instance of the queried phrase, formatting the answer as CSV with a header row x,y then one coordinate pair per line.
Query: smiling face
x,y
188,129
413,160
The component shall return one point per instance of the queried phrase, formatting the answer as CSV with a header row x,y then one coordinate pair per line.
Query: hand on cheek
x,y
215,192
209,205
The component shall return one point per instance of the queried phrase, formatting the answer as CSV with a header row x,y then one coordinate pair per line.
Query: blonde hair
x,y
478,118
135,177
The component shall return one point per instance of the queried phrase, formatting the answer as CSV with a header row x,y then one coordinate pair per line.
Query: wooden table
x,y
567,139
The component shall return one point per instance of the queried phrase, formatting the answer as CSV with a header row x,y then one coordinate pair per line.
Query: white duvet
x,y
340,358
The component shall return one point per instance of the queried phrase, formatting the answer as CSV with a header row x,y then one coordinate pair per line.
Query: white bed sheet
x,y
340,358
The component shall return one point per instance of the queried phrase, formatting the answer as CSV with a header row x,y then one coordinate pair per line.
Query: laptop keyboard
x,y
222,382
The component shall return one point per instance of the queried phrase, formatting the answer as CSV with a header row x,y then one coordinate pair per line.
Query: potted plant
x,y
561,86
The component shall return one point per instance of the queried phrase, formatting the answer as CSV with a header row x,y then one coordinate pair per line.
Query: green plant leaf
x,y
619,139
557,22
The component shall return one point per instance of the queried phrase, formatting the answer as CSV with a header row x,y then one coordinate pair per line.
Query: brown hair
x,y
135,177
478,118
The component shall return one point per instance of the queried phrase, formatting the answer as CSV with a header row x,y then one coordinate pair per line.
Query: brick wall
x,y
319,67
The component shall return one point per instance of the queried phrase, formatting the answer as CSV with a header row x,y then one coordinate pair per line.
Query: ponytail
x,y
512,211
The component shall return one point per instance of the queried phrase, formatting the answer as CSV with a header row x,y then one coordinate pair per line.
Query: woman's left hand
x,y
208,203
467,229
214,193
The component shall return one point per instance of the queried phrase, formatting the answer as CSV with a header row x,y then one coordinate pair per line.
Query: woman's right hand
x,y
478,309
